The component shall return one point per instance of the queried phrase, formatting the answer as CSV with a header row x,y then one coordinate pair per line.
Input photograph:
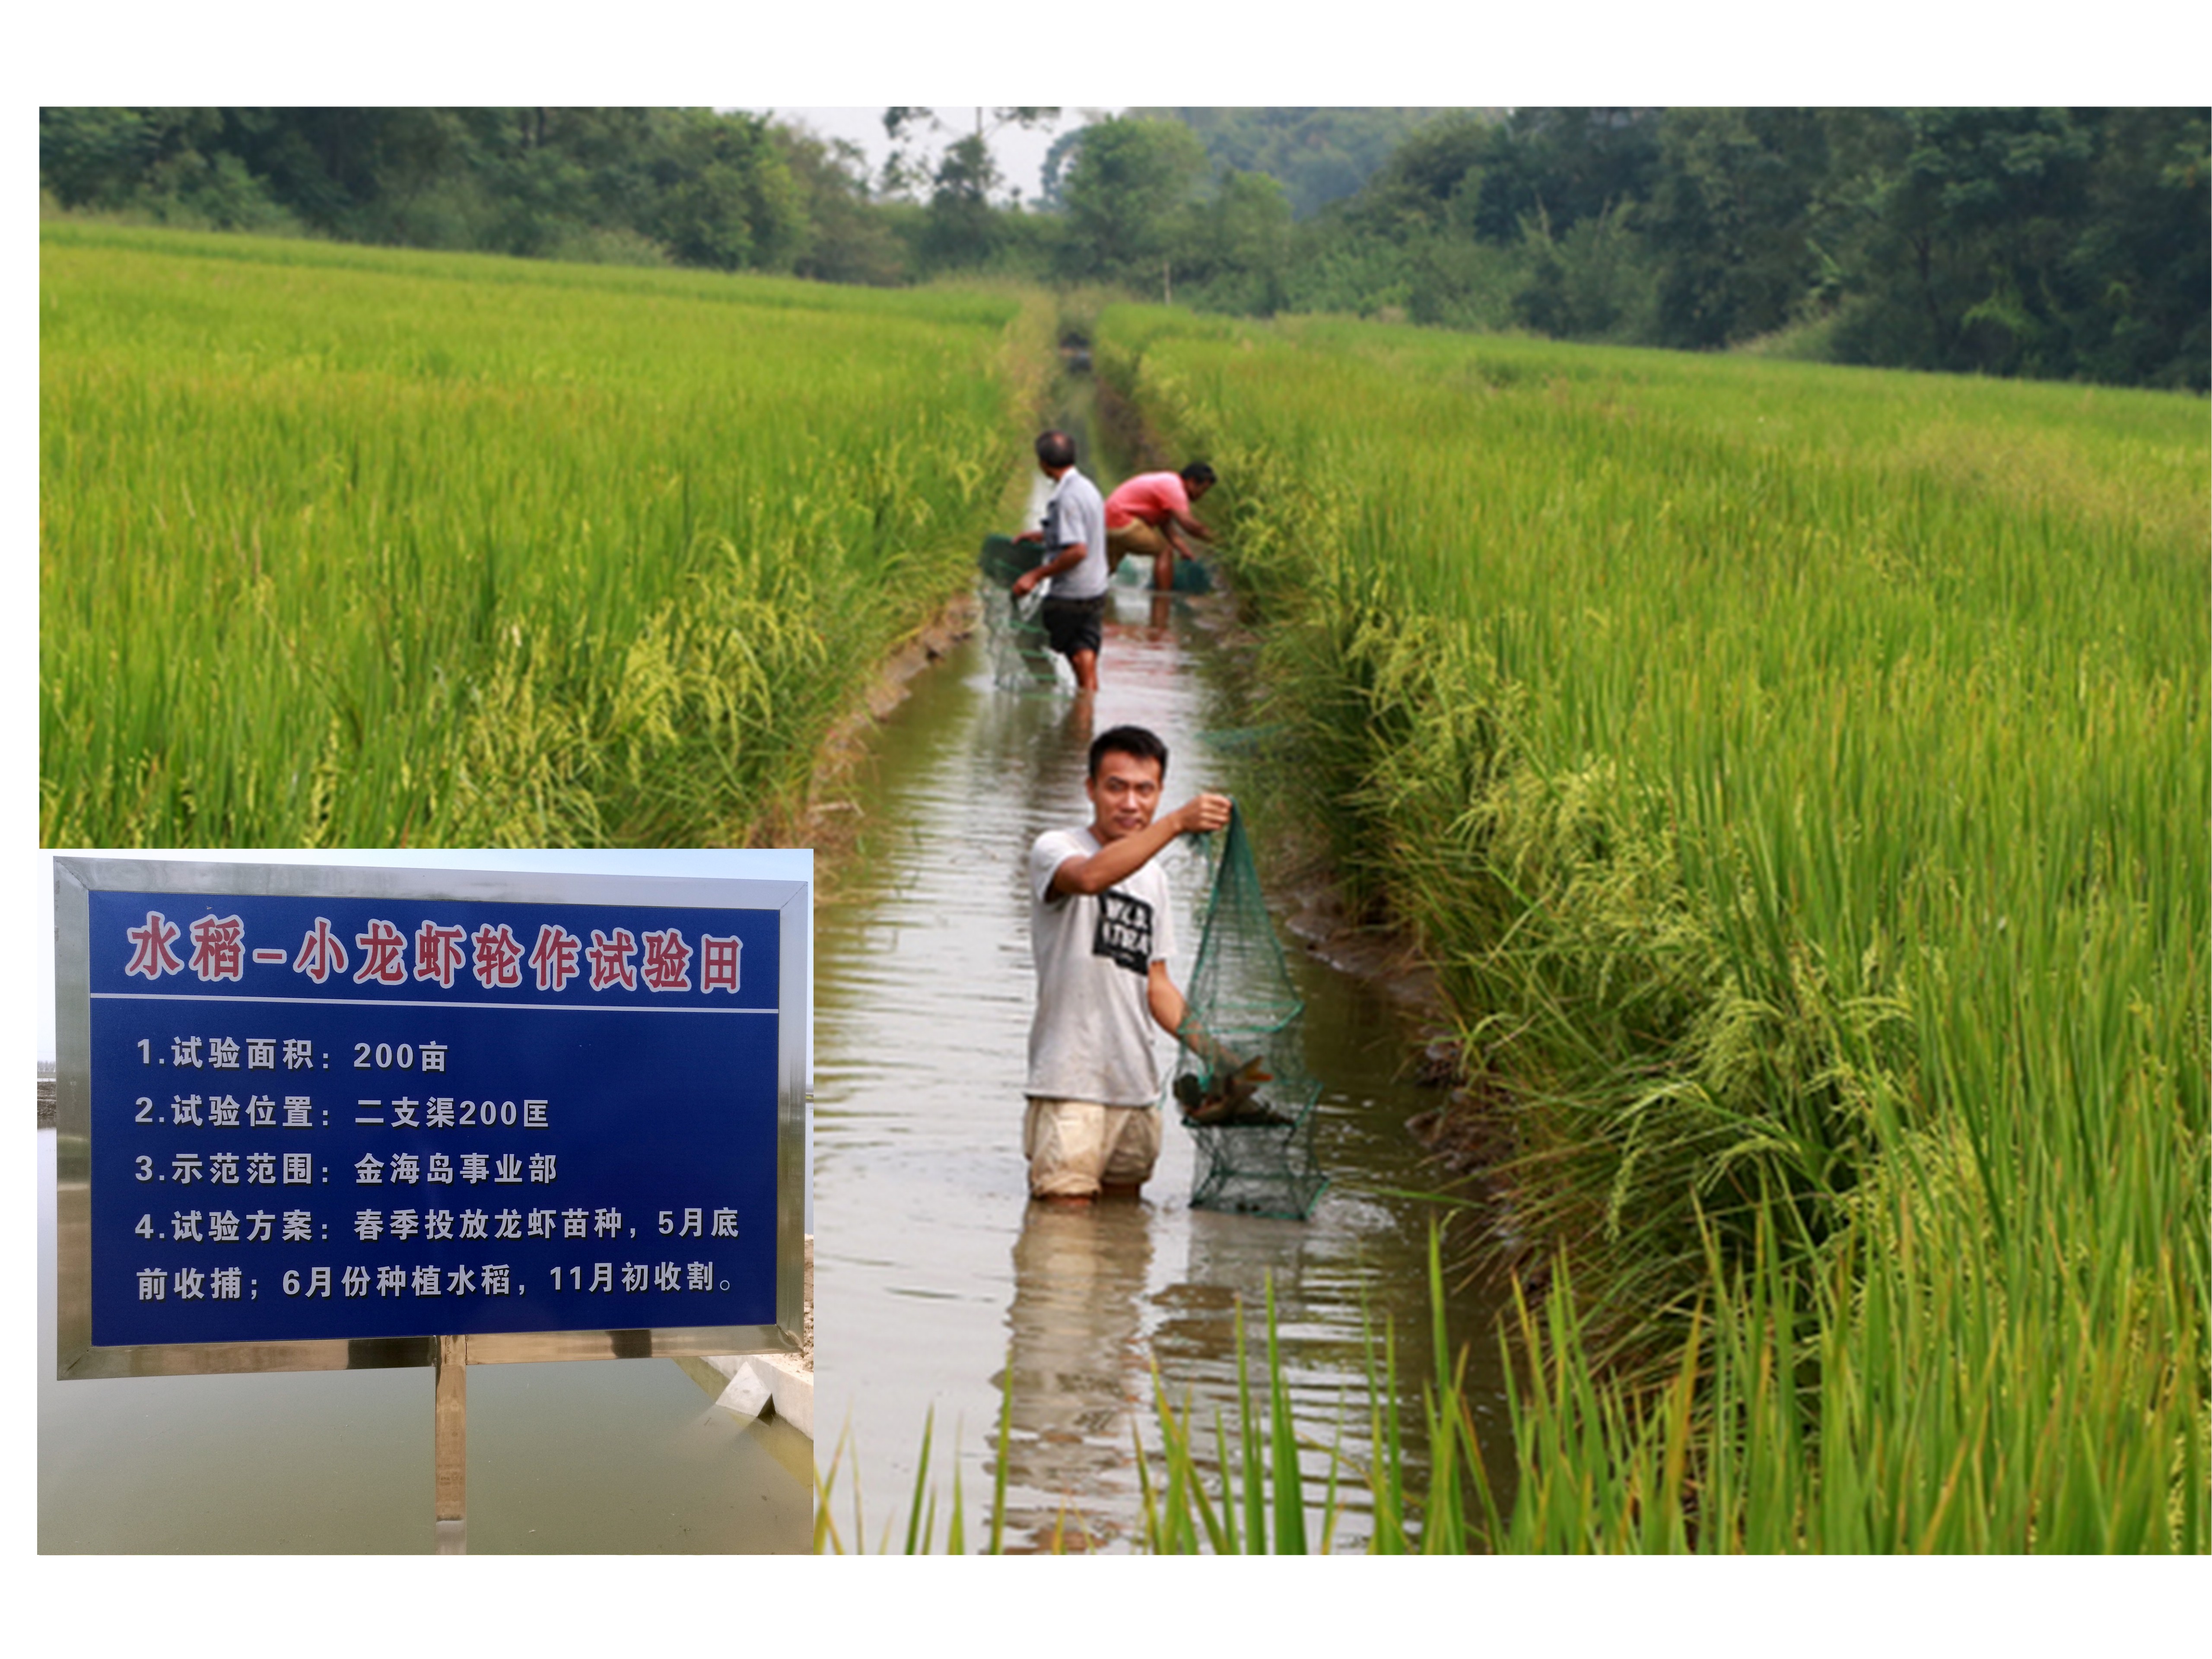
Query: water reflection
x,y
1076,1366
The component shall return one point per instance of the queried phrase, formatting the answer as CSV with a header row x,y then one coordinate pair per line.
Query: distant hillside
x,y
1320,155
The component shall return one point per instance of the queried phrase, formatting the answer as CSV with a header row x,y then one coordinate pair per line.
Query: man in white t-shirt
x,y
1100,930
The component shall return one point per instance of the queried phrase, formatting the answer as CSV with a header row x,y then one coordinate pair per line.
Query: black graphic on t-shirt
x,y
1125,932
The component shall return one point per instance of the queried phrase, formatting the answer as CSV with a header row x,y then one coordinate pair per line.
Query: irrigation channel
x,y
941,1284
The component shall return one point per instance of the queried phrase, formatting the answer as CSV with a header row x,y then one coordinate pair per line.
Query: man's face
x,y
1124,795
1197,491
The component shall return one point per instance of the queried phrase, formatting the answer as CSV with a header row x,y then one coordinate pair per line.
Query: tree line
x,y
2057,243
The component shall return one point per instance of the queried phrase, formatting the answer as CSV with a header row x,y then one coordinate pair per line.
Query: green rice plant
x,y
358,546
1717,1459
1799,778
1257,1500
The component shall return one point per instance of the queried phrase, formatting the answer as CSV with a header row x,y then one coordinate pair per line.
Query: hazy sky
x,y
1020,151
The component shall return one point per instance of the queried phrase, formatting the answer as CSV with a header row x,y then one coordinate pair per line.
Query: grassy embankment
x,y
350,546
1801,777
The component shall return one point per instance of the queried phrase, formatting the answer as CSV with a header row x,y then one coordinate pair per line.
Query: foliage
x,y
714,190
1130,192
2045,243
848,239
912,165
1729,224
1317,155
346,546
2054,244
1797,775
1241,257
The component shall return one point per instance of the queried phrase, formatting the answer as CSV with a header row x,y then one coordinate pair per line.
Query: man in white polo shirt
x,y
1100,931
1074,538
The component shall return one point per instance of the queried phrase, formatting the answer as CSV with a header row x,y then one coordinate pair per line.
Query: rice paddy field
x,y
1801,776
351,546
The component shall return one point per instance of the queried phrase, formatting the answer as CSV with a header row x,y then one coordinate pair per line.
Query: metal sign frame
x,y
76,878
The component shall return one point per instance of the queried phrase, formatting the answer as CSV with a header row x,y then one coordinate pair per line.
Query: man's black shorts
x,y
1074,625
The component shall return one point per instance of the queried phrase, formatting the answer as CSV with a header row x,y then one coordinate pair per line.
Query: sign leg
x,y
451,1411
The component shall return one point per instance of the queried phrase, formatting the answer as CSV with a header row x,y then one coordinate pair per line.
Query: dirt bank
x,y
829,820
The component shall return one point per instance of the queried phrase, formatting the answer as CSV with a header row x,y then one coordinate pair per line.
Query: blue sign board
x,y
319,1116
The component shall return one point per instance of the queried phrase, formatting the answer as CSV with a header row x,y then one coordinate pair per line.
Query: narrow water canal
x,y
940,1282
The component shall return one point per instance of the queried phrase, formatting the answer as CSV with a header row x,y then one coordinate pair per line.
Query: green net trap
x,y
1191,576
1022,657
1241,1080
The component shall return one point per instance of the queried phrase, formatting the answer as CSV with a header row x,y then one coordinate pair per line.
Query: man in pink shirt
x,y
1150,514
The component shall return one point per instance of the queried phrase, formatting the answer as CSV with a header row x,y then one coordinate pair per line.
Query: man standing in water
x,y
1100,933
1074,538
1150,514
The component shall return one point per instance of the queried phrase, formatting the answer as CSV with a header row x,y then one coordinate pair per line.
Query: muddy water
x,y
609,1456
941,1284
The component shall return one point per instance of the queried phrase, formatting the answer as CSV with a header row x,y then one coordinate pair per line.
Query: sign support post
x,y
450,1388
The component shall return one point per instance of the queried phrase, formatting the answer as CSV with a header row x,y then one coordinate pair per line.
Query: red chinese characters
x,y
555,956
383,954
439,953
218,947
151,954
498,957
611,960
668,961
661,961
321,953
718,963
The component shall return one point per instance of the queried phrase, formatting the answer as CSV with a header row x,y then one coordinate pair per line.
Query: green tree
x,y
723,196
916,131
1433,181
1239,259
170,164
962,227
1318,156
1130,191
1728,220
1962,220
1595,283
1565,166
2143,258
849,238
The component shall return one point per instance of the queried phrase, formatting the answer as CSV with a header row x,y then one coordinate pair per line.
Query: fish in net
x,y
1022,657
1240,1076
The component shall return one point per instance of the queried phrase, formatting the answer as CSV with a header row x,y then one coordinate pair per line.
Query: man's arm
x,y
1190,525
1059,565
1118,860
1164,999
1169,1009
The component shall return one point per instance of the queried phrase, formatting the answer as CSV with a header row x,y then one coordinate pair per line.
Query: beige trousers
x,y
1076,1147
